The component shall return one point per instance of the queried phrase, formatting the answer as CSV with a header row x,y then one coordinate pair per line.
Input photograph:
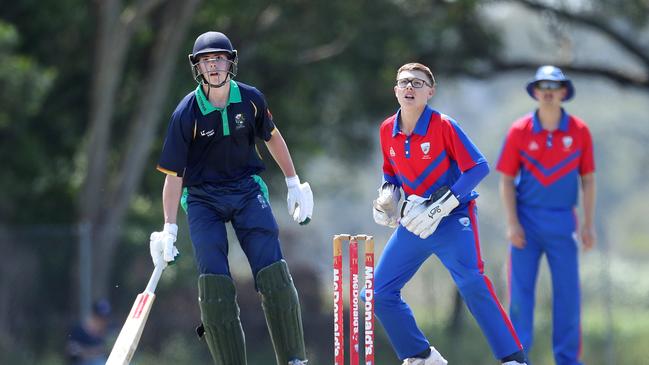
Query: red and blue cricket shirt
x,y
547,164
435,154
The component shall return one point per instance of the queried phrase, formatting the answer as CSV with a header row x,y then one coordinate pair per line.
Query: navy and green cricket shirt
x,y
209,144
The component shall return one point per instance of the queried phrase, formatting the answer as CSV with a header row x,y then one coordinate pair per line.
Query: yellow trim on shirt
x,y
254,106
168,172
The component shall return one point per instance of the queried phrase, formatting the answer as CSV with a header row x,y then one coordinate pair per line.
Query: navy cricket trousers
x,y
242,202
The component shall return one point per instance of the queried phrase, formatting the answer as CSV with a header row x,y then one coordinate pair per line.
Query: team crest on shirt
x,y
466,223
392,154
533,146
239,121
425,148
567,142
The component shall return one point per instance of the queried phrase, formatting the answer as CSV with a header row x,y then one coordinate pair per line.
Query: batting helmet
x,y
551,73
212,42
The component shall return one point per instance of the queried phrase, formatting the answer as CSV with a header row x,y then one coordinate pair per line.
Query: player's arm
x,y
469,160
515,232
588,235
279,150
385,208
172,162
171,193
300,197
161,243
509,164
587,172
469,180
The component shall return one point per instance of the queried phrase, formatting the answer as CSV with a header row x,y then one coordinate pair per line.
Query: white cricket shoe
x,y
514,363
435,358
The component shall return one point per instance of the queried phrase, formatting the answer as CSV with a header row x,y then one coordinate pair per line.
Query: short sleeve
x,y
173,158
587,163
509,160
264,124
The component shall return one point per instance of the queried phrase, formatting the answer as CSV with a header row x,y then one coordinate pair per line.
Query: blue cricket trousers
x,y
550,232
210,206
456,244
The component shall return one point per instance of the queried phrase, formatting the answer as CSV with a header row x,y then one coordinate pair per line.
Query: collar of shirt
x,y
422,123
537,127
206,107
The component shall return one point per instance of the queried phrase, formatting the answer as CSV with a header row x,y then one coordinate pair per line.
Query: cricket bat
x,y
129,336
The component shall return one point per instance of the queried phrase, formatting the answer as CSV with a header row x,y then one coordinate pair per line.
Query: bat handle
x,y
153,281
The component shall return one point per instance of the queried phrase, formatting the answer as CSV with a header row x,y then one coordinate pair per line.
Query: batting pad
x,y
217,299
282,309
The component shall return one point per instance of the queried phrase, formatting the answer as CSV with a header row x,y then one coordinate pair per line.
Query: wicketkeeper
x,y
427,154
210,151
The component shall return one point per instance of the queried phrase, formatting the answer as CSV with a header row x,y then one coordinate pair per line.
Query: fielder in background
x,y
210,150
86,343
427,154
545,155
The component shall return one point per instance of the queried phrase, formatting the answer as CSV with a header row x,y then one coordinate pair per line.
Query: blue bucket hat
x,y
101,308
551,73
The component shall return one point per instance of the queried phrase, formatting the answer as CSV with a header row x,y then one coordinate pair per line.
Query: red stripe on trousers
x,y
490,287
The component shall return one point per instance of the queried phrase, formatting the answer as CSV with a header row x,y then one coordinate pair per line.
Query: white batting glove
x,y
161,245
386,207
299,199
424,223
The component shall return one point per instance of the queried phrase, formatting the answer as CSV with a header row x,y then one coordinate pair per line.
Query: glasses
x,y
548,85
416,83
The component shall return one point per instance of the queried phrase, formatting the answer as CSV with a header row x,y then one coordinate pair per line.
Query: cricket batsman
x,y
210,151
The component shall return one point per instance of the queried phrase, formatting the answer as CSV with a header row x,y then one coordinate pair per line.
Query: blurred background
x,y
87,87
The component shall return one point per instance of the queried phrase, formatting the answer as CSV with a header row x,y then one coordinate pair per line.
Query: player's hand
x,y
423,219
161,245
588,237
412,206
300,200
516,235
385,219
386,206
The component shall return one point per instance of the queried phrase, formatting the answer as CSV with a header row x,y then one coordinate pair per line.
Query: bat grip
x,y
153,281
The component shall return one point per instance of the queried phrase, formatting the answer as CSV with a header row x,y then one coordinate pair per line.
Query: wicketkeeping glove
x,y
299,199
422,219
161,245
386,207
